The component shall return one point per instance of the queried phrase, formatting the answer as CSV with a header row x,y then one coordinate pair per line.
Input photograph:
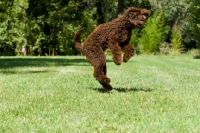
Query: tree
x,y
120,6
100,15
13,24
195,21
176,12
52,25
48,26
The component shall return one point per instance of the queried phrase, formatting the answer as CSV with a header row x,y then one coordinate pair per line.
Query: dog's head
x,y
136,16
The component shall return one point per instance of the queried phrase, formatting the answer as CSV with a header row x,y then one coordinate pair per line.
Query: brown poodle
x,y
114,35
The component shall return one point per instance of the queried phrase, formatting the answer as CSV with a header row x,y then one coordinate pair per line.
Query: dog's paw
x,y
125,60
118,63
107,86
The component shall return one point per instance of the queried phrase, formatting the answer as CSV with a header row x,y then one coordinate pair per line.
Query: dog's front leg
x,y
128,52
116,52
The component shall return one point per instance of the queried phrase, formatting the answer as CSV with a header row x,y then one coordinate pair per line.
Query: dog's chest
x,y
121,36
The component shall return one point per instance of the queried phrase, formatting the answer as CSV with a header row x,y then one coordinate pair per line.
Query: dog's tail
x,y
77,40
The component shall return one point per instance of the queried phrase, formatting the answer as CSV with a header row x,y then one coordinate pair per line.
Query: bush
x,y
154,33
135,39
193,52
176,41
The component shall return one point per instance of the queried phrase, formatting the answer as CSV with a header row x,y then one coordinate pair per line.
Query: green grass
x,y
154,94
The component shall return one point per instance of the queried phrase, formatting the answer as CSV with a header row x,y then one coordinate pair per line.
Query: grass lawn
x,y
152,94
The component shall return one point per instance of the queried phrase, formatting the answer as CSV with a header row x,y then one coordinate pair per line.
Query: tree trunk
x,y
49,52
120,6
100,16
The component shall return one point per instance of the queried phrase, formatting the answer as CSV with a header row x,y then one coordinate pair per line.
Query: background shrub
x,y
154,33
176,41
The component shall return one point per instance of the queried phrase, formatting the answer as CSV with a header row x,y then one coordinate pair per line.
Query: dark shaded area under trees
x,y
47,27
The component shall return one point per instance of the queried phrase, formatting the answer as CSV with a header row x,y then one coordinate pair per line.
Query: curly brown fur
x,y
114,35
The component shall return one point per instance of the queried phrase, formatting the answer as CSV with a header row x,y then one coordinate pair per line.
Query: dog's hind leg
x,y
98,59
128,52
99,74
104,69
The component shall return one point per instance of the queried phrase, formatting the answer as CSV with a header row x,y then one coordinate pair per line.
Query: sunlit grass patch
x,y
59,94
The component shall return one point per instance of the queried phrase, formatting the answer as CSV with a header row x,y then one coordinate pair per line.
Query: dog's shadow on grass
x,y
123,90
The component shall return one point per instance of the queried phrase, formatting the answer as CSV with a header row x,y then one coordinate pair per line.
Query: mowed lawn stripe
x,y
59,94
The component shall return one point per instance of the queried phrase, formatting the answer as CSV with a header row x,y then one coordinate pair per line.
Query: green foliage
x,y
176,12
12,28
138,3
153,33
195,20
3,15
42,26
48,26
176,41
135,39
54,29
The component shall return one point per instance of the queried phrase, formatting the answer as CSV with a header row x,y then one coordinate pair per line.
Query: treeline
x,y
46,27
